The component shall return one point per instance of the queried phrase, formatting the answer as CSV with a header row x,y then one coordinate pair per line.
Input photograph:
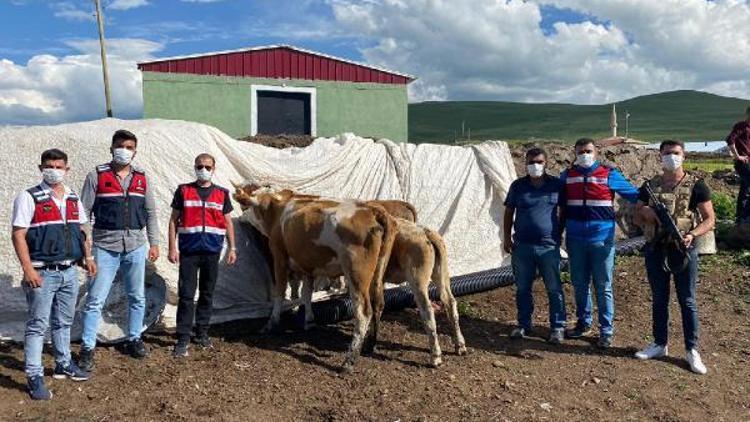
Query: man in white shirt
x,y
49,242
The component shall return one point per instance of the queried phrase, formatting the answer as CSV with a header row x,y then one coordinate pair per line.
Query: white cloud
x,y
50,89
70,11
201,1
487,49
126,4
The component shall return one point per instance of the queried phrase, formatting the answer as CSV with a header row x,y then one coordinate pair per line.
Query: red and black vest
x,y
50,238
588,196
115,208
202,226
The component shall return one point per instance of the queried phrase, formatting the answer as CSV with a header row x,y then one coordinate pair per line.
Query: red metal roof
x,y
276,62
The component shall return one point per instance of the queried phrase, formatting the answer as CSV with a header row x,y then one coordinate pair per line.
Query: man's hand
x,y
33,278
743,159
687,240
508,245
91,268
153,253
232,257
649,215
173,256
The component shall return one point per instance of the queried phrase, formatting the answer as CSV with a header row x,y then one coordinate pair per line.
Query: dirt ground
x,y
295,375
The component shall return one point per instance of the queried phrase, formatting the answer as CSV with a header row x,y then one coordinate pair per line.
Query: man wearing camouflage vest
x,y
688,200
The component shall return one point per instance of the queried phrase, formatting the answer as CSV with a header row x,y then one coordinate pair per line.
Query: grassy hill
x,y
687,115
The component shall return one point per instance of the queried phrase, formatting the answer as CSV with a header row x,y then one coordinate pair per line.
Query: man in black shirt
x,y
200,222
688,200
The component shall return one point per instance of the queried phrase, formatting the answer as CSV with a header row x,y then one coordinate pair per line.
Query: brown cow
x,y
328,238
418,255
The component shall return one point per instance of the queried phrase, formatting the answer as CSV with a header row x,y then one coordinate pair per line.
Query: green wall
x,y
369,110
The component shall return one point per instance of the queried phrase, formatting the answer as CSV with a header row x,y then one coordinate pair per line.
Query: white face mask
x,y
203,175
53,176
671,161
535,170
585,160
122,156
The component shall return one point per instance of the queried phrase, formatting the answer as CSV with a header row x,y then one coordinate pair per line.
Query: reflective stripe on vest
x,y
50,238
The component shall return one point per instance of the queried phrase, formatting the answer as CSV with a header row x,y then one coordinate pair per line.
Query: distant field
x,y
709,165
687,115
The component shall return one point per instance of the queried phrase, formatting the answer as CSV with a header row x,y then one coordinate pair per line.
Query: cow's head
x,y
262,205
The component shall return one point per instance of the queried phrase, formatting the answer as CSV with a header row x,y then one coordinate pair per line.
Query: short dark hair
x,y
584,141
54,154
671,143
533,152
123,135
206,155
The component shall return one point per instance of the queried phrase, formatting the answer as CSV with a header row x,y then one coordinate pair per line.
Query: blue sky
x,y
45,27
574,51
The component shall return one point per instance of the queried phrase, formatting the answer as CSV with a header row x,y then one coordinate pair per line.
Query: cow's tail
x,y
441,278
386,246
440,274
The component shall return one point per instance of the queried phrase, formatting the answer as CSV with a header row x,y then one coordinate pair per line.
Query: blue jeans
x,y
57,296
593,260
684,283
132,266
526,260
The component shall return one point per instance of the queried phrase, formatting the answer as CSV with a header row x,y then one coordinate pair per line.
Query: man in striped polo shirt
x,y
199,223
588,210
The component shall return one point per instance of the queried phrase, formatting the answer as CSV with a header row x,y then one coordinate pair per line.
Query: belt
x,y
54,267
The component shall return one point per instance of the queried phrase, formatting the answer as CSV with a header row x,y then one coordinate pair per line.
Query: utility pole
x,y
103,50
627,121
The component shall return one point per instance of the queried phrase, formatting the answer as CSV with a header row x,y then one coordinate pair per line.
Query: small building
x,y
277,89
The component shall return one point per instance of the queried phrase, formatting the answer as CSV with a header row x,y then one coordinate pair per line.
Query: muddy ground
x,y
295,376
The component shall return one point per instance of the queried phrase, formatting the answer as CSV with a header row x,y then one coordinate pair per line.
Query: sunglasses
x,y
201,167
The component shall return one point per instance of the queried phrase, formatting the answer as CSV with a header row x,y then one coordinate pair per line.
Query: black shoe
x,y
86,359
203,340
556,336
181,348
136,348
579,331
36,388
604,342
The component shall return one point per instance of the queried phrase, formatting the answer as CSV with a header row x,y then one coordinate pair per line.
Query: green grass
x,y
687,115
709,166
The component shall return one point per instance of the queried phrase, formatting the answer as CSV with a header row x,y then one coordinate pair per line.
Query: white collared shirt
x,y
24,206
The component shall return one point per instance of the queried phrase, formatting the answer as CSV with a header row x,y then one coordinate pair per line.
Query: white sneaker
x,y
652,351
696,364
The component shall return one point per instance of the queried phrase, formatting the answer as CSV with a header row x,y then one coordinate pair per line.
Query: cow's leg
x,y
279,290
308,285
419,279
378,303
451,311
362,315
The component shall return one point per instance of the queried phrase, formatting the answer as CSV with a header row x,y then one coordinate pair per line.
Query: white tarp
x,y
457,190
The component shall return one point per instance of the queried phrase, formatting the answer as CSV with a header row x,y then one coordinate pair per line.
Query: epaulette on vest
x,y
39,194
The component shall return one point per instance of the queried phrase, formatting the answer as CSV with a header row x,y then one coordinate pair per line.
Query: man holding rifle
x,y
674,208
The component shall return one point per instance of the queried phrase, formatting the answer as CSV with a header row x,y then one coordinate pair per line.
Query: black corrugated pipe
x,y
338,309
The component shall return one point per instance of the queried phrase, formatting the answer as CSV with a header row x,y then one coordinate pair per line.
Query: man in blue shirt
x,y
589,216
535,245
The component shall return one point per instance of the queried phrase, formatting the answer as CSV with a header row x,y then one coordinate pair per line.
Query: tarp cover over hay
x,y
456,190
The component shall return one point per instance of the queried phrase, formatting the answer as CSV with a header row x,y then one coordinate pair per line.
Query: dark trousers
x,y
190,266
684,282
743,198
